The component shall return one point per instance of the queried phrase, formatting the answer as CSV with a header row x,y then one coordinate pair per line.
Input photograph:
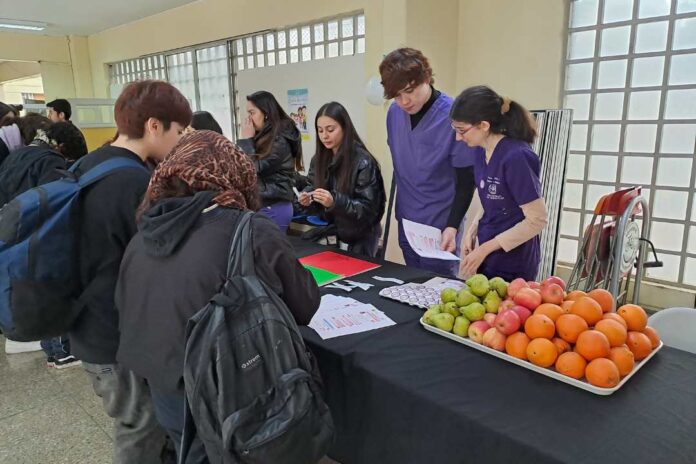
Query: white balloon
x,y
374,91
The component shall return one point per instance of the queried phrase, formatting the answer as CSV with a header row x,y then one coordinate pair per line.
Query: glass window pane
x,y
647,72
583,13
667,236
603,168
294,55
686,6
594,193
306,53
319,52
681,104
605,137
615,41
240,63
347,27
567,250
684,34
570,223
306,35
361,25
670,204
249,42
259,43
579,76
617,10
281,39
651,8
260,60
609,105
282,57
347,47
644,105
319,32
576,167
270,42
669,271
581,45
361,45
678,138
333,49
578,137
270,57
651,37
690,271
691,247
333,30
674,172
682,70
250,61
580,104
612,74
572,196
292,33
640,138
637,170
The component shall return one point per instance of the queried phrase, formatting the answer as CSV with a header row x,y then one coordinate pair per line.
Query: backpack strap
x,y
106,168
241,258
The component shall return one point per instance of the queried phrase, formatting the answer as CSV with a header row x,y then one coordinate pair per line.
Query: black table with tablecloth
x,y
404,395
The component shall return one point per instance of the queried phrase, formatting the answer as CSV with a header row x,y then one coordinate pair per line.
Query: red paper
x,y
338,264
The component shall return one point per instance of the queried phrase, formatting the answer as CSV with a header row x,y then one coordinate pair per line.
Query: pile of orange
x,y
583,338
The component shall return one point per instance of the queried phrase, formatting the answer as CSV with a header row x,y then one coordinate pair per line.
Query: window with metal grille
x,y
631,81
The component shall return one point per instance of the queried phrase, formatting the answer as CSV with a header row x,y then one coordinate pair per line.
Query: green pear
x,y
473,312
443,321
435,308
461,326
451,308
465,298
428,314
478,285
499,285
492,302
448,295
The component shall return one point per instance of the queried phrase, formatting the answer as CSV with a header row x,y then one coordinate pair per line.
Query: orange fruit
x,y
569,326
615,332
575,295
615,317
634,315
588,309
571,364
539,326
604,298
542,352
561,345
653,336
602,372
516,345
639,344
623,358
566,305
549,309
593,344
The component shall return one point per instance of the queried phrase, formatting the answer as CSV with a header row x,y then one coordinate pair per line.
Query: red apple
x,y
554,280
522,312
494,339
490,318
505,305
552,293
528,298
507,322
515,286
477,329
534,285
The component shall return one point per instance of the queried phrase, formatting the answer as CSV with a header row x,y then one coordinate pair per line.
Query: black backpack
x,y
253,390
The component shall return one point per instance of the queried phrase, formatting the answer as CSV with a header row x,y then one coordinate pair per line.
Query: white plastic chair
x,y
677,327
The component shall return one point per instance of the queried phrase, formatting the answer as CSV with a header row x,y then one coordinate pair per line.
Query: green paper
x,y
321,276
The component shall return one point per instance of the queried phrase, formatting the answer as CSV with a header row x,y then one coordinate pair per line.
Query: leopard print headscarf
x,y
206,160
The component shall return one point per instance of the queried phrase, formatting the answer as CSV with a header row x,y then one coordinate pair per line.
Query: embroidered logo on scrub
x,y
492,190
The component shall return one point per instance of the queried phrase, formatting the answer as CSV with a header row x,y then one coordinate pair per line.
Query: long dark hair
x,y
345,155
507,117
277,121
203,120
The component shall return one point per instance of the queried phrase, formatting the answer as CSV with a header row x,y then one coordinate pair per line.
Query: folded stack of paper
x,y
338,316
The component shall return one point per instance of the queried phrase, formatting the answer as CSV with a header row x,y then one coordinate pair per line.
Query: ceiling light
x,y
22,25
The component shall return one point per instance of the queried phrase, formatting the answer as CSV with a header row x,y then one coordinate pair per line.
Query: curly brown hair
x,y
402,68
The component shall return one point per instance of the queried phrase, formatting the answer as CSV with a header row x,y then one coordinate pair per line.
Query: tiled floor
x,y
50,416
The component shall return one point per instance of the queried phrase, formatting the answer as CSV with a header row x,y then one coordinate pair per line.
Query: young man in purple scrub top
x,y
434,174
507,176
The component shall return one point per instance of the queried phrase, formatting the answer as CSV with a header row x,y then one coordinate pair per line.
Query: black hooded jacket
x,y
173,266
276,170
29,167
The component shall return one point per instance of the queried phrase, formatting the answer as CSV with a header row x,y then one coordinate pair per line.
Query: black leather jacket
x,y
357,213
276,170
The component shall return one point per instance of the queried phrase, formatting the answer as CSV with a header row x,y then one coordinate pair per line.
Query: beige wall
x,y
82,70
11,70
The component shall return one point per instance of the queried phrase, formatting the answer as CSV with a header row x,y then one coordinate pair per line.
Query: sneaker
x,y
68,361
50,361
13,347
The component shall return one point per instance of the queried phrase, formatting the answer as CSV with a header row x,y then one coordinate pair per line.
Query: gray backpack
x,y
253,391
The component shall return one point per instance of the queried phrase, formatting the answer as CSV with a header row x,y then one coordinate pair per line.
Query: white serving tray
x,y
542,370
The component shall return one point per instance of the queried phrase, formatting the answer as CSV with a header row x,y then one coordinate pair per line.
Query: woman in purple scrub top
x,y
434,174
507,178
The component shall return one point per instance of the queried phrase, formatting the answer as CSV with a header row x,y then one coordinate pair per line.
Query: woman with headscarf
x,y
178,260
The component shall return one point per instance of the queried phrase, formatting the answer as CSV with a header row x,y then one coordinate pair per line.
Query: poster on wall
x,y
297,108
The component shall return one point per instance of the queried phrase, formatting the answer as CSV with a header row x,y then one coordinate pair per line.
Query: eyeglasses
x,y
461,132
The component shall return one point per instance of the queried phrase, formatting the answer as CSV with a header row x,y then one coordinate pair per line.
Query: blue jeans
x,y
56,347
438,266
280,213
